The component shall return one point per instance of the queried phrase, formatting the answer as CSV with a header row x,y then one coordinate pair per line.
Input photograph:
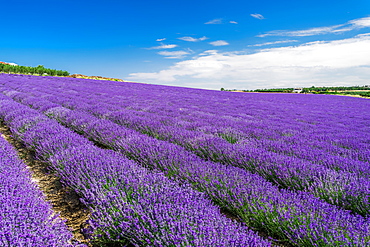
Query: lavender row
x,y
255,200
158,126
93,85
297,110
321,153
128,202
288,146
26,219
337,187
239,129
343,184
279,130
298,130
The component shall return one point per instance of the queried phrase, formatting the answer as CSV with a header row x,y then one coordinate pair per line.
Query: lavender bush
x,y
296,216
128,202
26,219
335,179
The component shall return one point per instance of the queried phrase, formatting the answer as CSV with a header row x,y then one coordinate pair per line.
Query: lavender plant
x,y
296,141
250,204
26,219
128,202
333,183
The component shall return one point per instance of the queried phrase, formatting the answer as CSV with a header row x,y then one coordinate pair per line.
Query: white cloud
x,y
362,22
214,21
208,52
161,39
163,46
340,62
306,32
173,54
362,35
191,39
275,42
233,22
258,16
219,43
349,26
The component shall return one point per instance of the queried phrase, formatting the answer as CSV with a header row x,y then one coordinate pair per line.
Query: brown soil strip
x,y
63,199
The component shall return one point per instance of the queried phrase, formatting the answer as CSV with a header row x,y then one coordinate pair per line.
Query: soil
x,y
63,199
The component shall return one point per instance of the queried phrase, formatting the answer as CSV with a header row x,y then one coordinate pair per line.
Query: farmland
x,y
170,166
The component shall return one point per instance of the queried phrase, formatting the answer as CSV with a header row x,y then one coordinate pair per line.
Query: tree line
x,y
312,89
334,89
39,70
363,91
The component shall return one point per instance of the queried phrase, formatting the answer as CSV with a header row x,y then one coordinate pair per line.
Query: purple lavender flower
x,y
26,219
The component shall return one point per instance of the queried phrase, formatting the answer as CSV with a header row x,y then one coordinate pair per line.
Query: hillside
x,y
94,77
170,166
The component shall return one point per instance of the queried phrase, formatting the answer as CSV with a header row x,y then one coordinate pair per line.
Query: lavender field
x,y
170,166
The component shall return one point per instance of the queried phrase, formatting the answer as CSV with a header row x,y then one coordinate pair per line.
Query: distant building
x,y
297,90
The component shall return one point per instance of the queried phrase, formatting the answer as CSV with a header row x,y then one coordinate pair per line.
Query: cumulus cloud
x,y
219,43
233,22
336,29
339,62
161,39
162,46
214,21
191,39
258,16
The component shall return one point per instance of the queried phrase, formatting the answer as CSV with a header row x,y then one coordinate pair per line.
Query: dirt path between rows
x,y
63,199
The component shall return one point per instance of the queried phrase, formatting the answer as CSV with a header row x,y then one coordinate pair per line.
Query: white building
x,y
297,90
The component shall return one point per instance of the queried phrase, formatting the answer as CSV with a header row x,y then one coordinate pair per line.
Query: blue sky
x,y
201,44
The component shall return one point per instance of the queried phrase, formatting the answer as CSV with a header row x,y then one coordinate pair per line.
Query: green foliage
x,y
275,90
39,70
328,89
228,137
352,90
